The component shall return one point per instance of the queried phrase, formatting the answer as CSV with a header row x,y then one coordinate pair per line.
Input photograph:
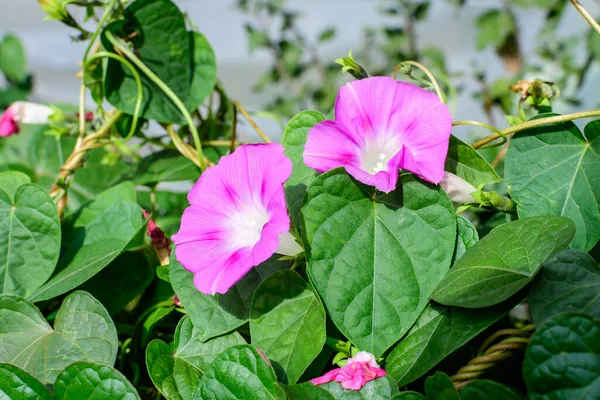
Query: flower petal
x,y
8,124
329,145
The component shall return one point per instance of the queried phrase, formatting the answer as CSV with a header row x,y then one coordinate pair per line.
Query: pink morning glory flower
x,y
380,126
237,217
23,112
359,370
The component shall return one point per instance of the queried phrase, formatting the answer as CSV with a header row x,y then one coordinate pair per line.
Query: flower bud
x,y
459,190
159,242
350,66
56,10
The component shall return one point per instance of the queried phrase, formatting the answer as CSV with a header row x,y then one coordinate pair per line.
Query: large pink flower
x,y
380,126
237,217
23,112
359,370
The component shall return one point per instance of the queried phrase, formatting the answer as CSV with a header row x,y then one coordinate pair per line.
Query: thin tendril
x,y
498,132
423,68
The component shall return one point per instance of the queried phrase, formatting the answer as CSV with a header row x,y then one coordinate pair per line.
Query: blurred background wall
x,y
54,58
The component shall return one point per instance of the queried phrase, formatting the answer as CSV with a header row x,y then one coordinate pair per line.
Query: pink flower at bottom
x,y
359,370
380,126
237,217
8,124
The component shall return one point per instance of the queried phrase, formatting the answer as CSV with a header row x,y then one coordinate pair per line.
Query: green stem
x,y
484,125
586,15
427,72
168,92
138,82
103,19
535,123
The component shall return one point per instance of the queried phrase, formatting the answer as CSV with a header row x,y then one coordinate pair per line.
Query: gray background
x,y
54,59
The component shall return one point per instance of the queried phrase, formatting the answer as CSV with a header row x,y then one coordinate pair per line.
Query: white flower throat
x,y
377,154
247,225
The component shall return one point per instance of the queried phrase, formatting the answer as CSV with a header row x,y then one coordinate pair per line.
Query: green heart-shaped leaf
x,y
29,238
83,331
467,163
562,360
375,258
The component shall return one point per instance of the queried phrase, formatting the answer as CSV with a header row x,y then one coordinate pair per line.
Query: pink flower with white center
x,y
459,190
359,370
23,112
382,125
237,217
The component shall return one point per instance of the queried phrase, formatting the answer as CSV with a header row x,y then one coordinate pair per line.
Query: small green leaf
x,y
307,391
17,384
483,389
378,389
440,387
376,258
239,373
437,333
83,331
562,360
555,170
221,313
86,380
467,163
504,261
94,247
29,238
287,323
466,237
176,372
294,139
13,59
151,320
162,43
568,282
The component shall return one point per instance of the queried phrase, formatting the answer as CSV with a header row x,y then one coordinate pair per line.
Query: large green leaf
x,y
562,360
568,282
378,389
94,247
86,380
483,389
176,372
134,275
287,323
467,163
83,331
239,373
29,239
375,258
294,139
555,170
438,332
164,166
221,313
16,384
163,44
504,261
124,191
439,386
